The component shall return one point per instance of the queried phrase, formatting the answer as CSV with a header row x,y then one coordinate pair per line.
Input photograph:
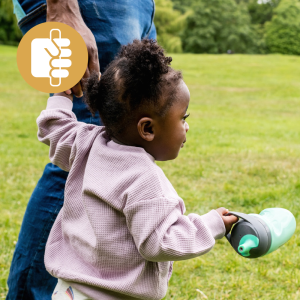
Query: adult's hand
x,y
68,12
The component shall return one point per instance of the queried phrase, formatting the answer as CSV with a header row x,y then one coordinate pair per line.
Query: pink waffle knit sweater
x,y
122,223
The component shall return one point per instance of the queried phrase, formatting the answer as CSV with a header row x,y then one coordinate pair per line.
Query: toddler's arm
x,y
162,233
59,129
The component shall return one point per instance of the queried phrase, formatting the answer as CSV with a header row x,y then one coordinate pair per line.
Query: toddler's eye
x,y
185,116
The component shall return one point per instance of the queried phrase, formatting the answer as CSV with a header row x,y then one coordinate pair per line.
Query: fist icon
x,y
48,59
50,63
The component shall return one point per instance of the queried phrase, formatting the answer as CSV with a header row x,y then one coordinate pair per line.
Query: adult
x,y
104,26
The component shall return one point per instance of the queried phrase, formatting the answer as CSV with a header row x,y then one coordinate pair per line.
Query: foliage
x,y
218,26
9,30
204,26
169,23
283,32
258,40
261,13
242,152
183,5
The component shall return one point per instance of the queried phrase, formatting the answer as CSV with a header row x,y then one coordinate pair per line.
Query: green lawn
x,y
242,152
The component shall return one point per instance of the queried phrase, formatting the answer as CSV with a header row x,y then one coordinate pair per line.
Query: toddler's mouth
x,y
182,145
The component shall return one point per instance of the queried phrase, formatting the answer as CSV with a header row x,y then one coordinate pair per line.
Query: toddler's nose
x,y
187,127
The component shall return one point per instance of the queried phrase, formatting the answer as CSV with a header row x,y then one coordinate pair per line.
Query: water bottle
x,y
255,235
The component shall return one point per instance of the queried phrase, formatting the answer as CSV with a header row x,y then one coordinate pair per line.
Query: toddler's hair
x,y
140,77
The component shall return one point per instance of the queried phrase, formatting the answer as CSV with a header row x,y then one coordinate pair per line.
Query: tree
x,y
261,12
183,5
217,26
169,23
283,32
9,30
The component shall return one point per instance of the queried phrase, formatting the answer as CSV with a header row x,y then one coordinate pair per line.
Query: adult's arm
x,y
67,12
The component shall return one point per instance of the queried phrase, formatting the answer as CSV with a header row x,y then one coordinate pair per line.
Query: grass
x,y
242,152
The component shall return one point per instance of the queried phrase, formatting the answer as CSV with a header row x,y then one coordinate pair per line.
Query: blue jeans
x,y
114,23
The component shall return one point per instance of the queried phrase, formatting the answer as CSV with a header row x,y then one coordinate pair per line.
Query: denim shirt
x,y
114,23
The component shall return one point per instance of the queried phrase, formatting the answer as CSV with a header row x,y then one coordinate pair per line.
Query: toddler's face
x,y
171,135
161,136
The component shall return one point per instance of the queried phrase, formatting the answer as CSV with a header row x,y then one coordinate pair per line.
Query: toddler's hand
x,y
228,220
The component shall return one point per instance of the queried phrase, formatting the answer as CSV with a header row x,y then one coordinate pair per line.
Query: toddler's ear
x,y
145,129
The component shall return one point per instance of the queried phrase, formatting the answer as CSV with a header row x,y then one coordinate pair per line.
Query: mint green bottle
x,y
257,235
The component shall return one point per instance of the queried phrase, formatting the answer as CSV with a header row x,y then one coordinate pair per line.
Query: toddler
x,y
122,223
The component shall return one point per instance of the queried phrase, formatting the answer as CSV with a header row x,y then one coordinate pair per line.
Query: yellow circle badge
x,y
52,57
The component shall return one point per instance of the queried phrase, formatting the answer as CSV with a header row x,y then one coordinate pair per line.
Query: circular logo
x,y
52,57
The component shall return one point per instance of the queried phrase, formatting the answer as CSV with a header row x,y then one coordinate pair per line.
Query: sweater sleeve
x,y
162,233
59,129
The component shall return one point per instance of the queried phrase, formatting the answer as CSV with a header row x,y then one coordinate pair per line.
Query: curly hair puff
x,y
140,77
